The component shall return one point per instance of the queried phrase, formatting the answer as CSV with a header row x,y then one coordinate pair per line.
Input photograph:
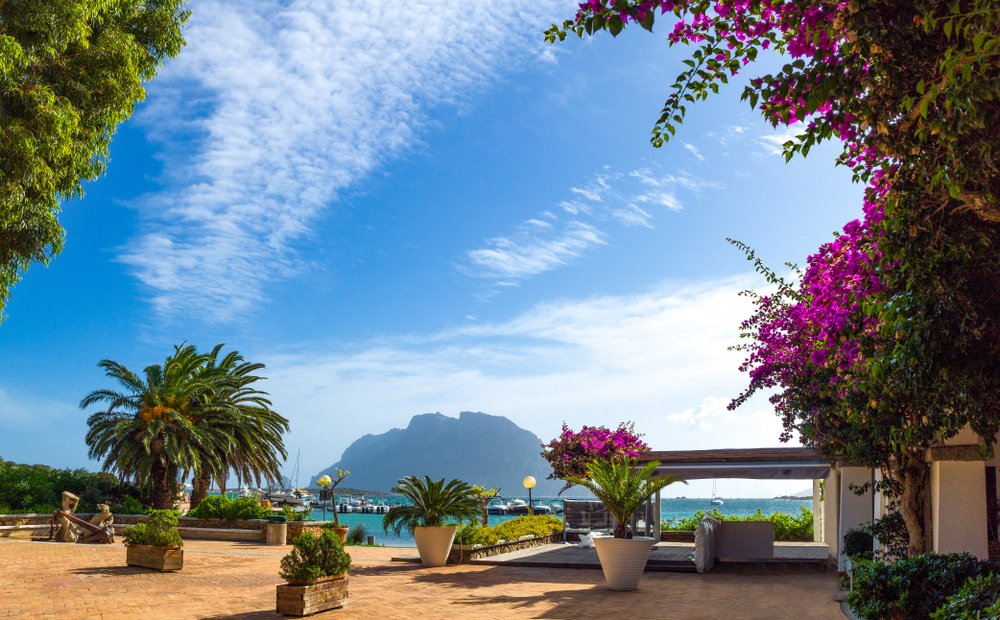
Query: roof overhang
x,y
751,463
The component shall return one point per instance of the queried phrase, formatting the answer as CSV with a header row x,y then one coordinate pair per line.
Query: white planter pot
x,y
623,560
434,543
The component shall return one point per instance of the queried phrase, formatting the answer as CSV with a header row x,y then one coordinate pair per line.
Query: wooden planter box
x,y
163,559
302,600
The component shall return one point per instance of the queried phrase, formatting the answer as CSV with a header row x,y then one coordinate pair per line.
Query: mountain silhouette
x,y
478,448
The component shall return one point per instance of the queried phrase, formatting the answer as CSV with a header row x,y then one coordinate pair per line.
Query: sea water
x,y
672,508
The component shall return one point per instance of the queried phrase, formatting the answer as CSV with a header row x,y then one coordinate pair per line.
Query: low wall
x,y
460,554
295,528
682,536
31,525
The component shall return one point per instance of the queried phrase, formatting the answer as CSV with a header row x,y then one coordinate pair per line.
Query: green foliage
x,y
70,73
314,558
129,506
859,544
292,514
357,534
434,503
38,488
911,587
622,486
195,412
978,599
160,530
221,507
528,525
786,527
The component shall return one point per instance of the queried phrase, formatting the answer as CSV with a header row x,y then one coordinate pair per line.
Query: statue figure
x,y
105,521
68,532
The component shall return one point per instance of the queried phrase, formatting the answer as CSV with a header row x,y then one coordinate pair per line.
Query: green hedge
x,y
221,507
38,489
786,527
159,531
916,587
978,599
529,525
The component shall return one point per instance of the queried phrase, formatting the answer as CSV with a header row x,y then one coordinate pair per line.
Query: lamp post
x,y
529,483
323,481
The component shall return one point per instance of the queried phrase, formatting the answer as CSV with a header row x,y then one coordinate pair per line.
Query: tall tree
x,y
70,72
256,449
195,413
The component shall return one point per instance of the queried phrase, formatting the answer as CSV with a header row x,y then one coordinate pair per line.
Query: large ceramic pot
x,y
434,543
623,560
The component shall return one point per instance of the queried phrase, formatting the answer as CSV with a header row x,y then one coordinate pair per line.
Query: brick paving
x,y
223,580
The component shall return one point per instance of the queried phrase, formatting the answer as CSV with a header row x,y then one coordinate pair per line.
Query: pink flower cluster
x,y
571,452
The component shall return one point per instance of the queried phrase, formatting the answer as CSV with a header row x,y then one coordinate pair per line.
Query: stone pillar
x,y
831,511
958,502
817,513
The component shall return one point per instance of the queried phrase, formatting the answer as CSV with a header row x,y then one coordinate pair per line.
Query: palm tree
x,y
622,486
147,432
196,413
244,413
434,502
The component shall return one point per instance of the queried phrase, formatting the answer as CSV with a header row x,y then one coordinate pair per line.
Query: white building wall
x,y
958,500
855,510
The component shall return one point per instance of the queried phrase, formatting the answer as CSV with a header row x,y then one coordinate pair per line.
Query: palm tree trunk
x,y
201,484
164,479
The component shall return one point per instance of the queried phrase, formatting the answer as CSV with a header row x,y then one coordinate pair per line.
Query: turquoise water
x,y
669,508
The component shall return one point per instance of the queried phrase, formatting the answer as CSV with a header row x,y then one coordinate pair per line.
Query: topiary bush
x,y
313,558
977,599
859,544
912,587
160,530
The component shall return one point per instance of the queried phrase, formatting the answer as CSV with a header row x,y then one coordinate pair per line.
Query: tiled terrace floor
x,y
237,580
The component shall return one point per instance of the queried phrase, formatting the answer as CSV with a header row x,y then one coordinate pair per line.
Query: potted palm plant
x,y
623,486
316,575
155,543
434,505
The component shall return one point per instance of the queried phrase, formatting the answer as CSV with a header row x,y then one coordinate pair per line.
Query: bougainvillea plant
x,y
571,452
904,84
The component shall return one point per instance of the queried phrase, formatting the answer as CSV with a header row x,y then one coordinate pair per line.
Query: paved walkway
x,y
223,580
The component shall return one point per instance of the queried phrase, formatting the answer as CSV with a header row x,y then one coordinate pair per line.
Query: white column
x,y
958,500
855,510
831,511
817,513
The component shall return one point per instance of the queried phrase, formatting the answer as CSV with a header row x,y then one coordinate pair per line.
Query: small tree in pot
x,y
155,543
434,504
623,486
316,572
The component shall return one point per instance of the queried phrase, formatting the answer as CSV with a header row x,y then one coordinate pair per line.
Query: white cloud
x,y
539,244
773,142
694,151
658,358
275,106
531,253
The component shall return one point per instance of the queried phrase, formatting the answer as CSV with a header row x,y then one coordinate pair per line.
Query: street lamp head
x,y
529,482
324,481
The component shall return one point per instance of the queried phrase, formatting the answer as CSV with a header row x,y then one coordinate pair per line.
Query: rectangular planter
x,y
164,559
296,600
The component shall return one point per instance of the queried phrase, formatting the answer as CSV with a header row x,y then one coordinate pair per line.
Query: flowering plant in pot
x,y
431,515
330,485
571,452
622,486
316,572
155,543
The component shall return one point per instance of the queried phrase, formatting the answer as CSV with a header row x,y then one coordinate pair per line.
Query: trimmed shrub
x,y
38,488
313,558
859,544
978,599
912,587
159,531
786,527
529,525
221,507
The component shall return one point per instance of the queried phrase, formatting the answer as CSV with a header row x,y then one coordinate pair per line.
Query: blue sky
x,y
405,208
